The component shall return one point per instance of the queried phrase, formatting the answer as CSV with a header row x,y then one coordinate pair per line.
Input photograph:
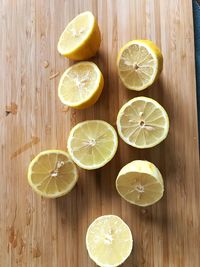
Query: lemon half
x,y
92,144
139,64
81,38
109,241
142,122
140,183
52,173
81,85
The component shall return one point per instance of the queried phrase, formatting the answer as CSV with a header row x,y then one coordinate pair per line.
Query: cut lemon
x,y
140,183
52,173
81,85
139,64
109,241
81,38
92,144
142,122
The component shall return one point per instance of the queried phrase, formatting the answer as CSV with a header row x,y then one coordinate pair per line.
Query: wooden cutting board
x,y
36,232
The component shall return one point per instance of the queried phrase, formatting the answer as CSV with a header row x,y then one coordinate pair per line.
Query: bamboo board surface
x,y
36,232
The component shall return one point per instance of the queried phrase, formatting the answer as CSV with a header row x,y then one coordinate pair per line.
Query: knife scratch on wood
x,y
35,140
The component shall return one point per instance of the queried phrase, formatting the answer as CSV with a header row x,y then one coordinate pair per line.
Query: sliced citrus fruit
x,y
52,173
109,241
81,85
81,38
142,122
139,64
140,183
92,144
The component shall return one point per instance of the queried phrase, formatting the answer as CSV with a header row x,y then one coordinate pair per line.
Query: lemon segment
x,y
139,64
52,173
109,241
81,85
81,38
142,122
140,183
92,144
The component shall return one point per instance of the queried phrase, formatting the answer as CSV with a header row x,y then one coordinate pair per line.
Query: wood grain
x,y
36,232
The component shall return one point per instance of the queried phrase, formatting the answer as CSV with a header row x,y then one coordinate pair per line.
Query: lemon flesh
x,y
81,38
52,173
139,64
109,241
92,144
142,122
81,85
140,183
